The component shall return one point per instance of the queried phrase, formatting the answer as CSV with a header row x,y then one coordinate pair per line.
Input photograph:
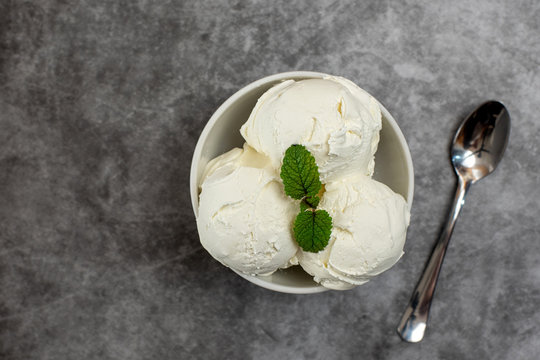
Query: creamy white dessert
x,y
334,119
368,234
245,219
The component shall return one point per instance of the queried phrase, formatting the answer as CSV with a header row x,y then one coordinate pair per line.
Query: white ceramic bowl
x,y
393,164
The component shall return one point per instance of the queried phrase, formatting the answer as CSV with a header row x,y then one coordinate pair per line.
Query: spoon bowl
x,y
480,141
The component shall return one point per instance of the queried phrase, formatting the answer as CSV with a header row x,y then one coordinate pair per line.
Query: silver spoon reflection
x,y
477,148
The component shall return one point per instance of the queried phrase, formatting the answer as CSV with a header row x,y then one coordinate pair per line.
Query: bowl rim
x,y
194,186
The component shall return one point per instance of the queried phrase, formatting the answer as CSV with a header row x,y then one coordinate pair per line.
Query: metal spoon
x,y
477,148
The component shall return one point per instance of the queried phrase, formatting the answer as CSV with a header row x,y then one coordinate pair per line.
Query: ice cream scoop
x,y
369,229
245,218
333,118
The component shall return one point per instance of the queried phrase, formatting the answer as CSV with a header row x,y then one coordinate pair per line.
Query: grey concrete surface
x,y
101,105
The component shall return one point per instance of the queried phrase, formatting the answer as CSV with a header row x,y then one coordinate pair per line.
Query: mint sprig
x,y
301,180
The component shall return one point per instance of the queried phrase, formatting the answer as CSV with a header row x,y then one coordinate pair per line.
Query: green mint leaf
x,y
300,173
313,201
303,206
312,230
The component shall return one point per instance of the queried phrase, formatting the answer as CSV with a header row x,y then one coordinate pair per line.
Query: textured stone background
x,y
101,104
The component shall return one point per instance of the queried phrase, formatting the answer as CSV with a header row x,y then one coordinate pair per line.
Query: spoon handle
x,y
412,326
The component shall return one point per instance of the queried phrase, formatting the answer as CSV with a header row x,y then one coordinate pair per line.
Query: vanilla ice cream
x,y
333,118
245,219
369,229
